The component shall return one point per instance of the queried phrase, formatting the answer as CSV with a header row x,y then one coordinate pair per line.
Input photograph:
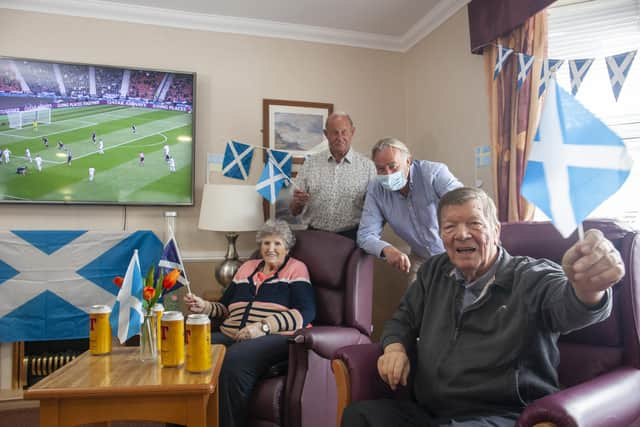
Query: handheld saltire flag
x,y
618,66
578,70
126,315
576,162
502,53
276,172
524,66
171,259
237,160
547,72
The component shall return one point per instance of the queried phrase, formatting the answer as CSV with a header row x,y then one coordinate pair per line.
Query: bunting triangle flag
x,y
237,160
575,164
501,56
618,66
276,172
524,66
578,69
547,72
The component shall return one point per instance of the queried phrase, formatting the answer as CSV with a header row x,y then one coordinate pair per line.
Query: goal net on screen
x,y
20,119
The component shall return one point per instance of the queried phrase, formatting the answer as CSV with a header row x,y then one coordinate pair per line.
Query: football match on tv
x,y
79,134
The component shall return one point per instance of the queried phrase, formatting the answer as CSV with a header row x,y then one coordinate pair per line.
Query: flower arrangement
x,y
153,286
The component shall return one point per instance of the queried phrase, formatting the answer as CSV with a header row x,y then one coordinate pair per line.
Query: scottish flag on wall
x,y
276,172
576,162
49,279
237,160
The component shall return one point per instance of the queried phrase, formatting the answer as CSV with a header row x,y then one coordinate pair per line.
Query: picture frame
x,y
296,127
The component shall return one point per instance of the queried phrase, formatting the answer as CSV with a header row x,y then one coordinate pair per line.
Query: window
x,y
596,29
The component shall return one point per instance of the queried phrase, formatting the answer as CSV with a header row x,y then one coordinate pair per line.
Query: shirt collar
x,y
482,280
348,157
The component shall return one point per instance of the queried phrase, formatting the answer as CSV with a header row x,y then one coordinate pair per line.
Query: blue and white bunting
x,y
171,259
49,279
237,160
618,66
547,72
578,69
502,54
126,314
576,162
276,172
524,67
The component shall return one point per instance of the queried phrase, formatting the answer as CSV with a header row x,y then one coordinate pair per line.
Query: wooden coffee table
x,y
118,386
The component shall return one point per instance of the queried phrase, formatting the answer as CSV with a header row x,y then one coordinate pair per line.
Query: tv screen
x,y
84,133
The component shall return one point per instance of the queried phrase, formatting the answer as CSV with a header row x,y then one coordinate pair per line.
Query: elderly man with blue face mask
x,y
404,194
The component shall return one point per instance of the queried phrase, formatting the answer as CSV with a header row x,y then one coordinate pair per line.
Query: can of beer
x,y
172,337
198,339
99,330
158,309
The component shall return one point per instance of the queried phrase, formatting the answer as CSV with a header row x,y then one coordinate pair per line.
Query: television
x,y
74,133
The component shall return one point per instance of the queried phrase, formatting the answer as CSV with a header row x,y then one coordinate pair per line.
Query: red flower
x,y
148,292
118,281
170,279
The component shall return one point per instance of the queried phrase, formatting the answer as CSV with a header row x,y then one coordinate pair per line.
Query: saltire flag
x,y
126,314
524,66
276,172
171,259
50,279
618,66
547,72
576,162
237,160
578,69
501,56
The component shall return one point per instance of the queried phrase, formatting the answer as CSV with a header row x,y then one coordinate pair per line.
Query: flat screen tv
x,y
95,134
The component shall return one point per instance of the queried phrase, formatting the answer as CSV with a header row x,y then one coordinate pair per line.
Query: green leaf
x,y
150,273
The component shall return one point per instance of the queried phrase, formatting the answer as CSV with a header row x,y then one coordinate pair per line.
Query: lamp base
x,y
226,271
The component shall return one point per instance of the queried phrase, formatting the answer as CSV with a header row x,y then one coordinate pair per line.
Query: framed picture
x,y
296,127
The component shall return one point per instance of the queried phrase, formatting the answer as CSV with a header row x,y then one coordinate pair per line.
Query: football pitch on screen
x,y
119,175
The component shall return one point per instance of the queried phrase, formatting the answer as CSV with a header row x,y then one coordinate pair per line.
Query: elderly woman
x,y
269,298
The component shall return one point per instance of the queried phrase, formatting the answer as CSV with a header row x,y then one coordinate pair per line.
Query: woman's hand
x,y
251,331
196,304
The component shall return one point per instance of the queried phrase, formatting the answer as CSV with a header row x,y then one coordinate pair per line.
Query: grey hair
x,y
276,227
390,142
337,114
462,195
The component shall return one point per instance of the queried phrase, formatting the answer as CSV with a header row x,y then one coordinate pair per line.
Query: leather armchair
x,y
342,276
599,369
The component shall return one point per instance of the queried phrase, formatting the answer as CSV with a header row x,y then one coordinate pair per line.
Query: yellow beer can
x,y
172,337
158,309
198,339
99,329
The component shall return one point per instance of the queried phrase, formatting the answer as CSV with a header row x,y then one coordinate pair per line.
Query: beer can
x,y
198,339
99,330
172,337
158,309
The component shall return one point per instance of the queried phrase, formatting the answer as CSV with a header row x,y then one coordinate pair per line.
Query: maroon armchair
x,y
342,277
600,365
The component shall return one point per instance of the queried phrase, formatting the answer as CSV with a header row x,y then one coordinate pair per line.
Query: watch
x,y
265,328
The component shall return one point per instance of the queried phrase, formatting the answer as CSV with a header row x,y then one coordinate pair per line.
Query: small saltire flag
x,y
547,72
618,66
171,259
576,162
524,66
578,69
237,160
126,315
276,172
501,56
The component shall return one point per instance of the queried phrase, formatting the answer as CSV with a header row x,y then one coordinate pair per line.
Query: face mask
x,y
392,182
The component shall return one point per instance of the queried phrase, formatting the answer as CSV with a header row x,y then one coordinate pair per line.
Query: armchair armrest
x,y
326,340
610,400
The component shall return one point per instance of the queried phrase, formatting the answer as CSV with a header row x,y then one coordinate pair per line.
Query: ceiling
x,y
394,25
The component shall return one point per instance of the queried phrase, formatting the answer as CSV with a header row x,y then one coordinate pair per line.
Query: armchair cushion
x,y
325,340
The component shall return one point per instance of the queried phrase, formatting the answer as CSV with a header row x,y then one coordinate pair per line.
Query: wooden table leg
x,y
49,413
213,410
197,411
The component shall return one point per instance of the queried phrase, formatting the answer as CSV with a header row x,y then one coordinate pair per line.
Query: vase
x,y
148,339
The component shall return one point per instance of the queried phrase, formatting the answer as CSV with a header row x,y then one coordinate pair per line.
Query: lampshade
x,y
230,208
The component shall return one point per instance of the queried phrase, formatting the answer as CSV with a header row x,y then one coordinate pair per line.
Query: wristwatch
x,y
265,328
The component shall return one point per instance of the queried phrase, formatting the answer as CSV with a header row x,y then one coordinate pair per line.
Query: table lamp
x,y
231,209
